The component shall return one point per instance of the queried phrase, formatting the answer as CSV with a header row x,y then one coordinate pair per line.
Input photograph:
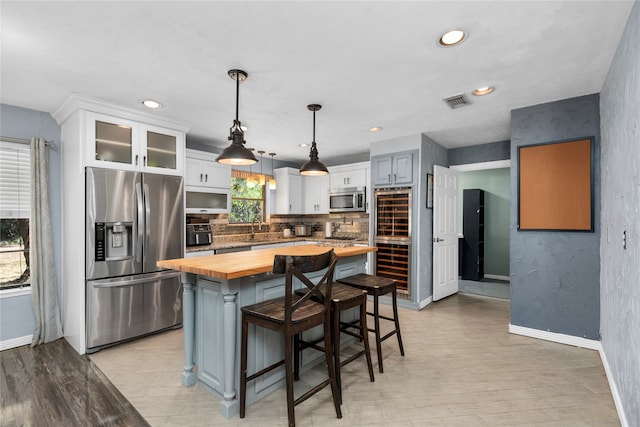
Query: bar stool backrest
x,y
299,266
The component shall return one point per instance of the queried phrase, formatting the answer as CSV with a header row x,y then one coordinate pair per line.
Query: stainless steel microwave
x,y
349,199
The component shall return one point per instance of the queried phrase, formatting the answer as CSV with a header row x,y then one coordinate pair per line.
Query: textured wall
x,y
497,201
431,154
555,275
17,314
480,153
620,268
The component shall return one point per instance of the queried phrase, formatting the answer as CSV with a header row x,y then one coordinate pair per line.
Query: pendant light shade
x,y
272,181
314,166
236,153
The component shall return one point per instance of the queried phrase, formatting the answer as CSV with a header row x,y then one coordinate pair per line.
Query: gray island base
x,y
215,288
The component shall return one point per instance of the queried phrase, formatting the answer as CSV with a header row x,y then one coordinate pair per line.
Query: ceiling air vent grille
x,y
457,101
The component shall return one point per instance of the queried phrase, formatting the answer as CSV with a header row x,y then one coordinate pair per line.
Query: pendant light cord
x,y
314,126
237,96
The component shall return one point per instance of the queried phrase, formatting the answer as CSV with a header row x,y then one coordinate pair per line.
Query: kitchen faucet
x,y
259,227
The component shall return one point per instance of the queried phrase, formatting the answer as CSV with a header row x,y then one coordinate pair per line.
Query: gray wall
x,y
620,268
431,154
16,314
480,153
497,201
555,275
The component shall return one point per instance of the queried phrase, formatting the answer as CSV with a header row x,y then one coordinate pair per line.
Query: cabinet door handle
x,y
206,177
394,177
200,177
136,160
144,161
389,178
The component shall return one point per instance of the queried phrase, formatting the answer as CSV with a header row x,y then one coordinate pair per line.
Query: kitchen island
x,y
215,287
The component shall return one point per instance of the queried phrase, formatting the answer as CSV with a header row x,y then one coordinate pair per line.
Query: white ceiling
x,y
369,63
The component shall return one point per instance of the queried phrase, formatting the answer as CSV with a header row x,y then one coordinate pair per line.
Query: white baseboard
x,y
15,342
614,388
425,303
555,337
584,343
497,277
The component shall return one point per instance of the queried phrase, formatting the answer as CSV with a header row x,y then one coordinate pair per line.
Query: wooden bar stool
x,y
291,315
377,286
343,298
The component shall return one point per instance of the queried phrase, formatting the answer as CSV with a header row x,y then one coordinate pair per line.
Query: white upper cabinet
x,y
341,178
349,175
128,144
315,194
202,170
288,191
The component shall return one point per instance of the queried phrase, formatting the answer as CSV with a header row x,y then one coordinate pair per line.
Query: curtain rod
x,y
22,141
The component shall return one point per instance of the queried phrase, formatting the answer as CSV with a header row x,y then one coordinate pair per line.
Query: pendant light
x,y
261,177
313,165
272,181
236,153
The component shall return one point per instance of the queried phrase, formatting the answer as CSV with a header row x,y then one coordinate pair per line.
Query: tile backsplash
x,y
343,225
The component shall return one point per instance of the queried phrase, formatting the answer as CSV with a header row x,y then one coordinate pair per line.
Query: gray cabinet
x,y
210,334
391,170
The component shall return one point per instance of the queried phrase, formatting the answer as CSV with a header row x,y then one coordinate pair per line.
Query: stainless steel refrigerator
x,y
133,219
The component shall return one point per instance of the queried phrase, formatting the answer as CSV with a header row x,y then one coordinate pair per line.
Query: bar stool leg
x,y
397,322
296,357
288,366
243,367
364,337
376,322
335,323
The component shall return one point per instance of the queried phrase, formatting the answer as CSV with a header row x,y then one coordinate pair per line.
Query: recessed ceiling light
x,y
484,90
303,145
375,129
452,38
150,103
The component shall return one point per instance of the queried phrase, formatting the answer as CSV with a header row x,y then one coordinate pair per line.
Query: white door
x,y
445,232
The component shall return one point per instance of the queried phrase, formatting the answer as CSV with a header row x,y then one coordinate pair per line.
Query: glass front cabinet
x,y
126,144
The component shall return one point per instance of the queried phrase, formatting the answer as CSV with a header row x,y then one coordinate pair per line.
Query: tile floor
x,y
461,368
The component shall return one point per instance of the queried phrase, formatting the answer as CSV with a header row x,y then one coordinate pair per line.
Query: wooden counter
x,y
215,287
241,264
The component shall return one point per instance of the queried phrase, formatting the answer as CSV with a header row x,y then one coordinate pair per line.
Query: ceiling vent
x,y
457,101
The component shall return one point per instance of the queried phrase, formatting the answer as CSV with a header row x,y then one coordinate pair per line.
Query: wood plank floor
x,y
461,368
51,385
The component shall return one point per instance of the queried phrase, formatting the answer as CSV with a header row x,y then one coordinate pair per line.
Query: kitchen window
x,y
15,203
247,198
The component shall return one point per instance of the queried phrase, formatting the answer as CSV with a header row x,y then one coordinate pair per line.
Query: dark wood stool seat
x,y
377,286
343,297
291,315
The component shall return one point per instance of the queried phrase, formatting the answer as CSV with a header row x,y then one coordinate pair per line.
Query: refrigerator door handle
x,y
147,214
110,283
139,225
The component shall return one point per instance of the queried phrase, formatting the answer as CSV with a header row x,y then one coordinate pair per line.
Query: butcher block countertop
x,y
241,264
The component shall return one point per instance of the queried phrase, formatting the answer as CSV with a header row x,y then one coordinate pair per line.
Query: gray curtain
x,y
44,287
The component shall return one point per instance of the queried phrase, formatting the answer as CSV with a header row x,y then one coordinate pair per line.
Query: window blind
x,y
15,176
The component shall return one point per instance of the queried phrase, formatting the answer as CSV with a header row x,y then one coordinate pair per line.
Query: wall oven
x,y
392,236
349,199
